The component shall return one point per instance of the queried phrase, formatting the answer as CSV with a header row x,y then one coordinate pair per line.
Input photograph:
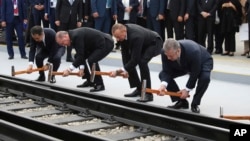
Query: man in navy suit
x,y
13,17
50,12
180,58
43,45
103,11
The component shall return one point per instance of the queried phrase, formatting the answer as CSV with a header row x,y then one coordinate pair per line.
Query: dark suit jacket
x,y
138,40
8,10
64,10
194,59
50,45
156,7
36,2
133,14
86,40
100,7
177,8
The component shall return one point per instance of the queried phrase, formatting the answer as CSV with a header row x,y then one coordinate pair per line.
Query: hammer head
x,y
50,71
143,89
92,74
12,71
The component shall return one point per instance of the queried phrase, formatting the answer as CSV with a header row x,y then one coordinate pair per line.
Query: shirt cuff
x,y
164,83
31,63
71,67
81,67
188,89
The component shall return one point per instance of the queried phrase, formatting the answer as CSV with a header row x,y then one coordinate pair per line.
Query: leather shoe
x,y
180,104
69,60
97,88
147,98
11,57
85,84
135,93
195,109
53,79
24,57
41,78
218,52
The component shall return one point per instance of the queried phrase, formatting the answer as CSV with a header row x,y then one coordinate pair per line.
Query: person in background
x,y
13,16
50,12
138,46
68,16
43,45
180,58
91,46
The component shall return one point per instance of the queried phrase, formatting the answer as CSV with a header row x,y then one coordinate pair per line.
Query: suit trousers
x,y
55,60
151,51
17,24
94,57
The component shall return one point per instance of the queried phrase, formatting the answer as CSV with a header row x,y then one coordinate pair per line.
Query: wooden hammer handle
x,y
166,92
105,73
61,73
236,117
25,71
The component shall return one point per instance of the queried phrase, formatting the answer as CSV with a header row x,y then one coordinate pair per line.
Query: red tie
x,y
15,7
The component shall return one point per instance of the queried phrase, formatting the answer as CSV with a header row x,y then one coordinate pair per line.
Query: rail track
x,y
49,112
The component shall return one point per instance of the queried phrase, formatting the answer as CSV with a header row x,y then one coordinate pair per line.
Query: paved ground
x,y
229,87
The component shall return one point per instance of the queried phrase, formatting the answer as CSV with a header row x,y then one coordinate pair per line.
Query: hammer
x,y
94,73
51,72
233,117
147,90
13,72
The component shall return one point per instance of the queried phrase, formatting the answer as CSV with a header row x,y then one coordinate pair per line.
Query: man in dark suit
x,y
50,12
68,16
138,46
91,46
38,12
180,58
127,11
43,45
14,15
174,18
154,12
103,11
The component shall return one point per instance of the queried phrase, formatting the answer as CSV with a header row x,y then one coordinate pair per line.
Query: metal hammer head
x,y
12,71
143,89
92,74
50,71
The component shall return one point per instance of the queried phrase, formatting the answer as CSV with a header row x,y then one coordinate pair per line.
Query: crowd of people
x,y
185,32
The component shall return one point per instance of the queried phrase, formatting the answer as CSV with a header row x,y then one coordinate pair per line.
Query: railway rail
x,y
48,111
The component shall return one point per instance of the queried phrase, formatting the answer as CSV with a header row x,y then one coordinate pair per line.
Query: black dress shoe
x,y
135,93
97,88
147,98
41,78
53,79
24,57
11,57
69,60
226,53
195,109
218,52
85,84
180,104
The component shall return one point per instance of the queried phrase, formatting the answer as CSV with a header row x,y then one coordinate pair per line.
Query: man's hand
x,y
184,93
162,89
81,72
29,69
66,73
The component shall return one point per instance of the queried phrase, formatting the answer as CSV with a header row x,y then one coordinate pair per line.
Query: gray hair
x,y
171,44
61,34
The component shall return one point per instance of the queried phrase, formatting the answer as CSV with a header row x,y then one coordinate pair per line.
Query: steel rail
x,y
188,125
